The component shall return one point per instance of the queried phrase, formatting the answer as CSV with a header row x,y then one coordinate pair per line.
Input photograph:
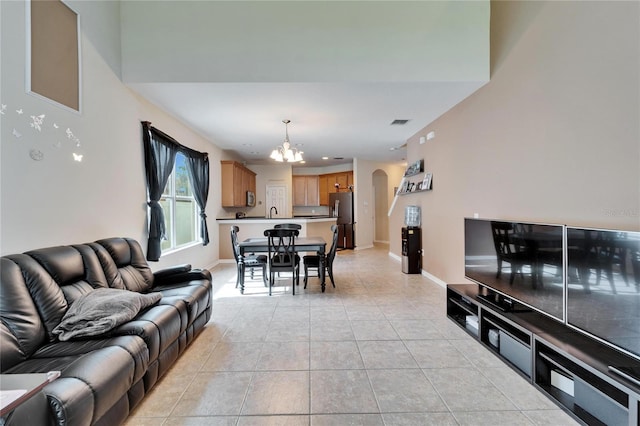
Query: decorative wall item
x,y
36,155
54,52
415,168
36,130
426,182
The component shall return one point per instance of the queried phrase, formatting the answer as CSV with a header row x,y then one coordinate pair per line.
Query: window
x,y
180,208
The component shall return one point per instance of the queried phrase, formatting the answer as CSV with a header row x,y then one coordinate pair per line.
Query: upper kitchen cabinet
x,y
333,182
236,180
305,190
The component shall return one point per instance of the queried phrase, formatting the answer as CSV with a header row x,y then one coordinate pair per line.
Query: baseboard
x,y
363,247
395,257
381,241
433,278
424,273
213,265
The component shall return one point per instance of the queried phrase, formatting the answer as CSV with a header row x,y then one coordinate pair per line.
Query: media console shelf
x,y
570,368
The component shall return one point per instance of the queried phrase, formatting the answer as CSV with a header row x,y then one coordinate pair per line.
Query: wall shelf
x,y
407,185
414,192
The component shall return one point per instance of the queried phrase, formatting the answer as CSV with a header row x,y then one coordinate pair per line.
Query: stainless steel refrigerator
x,y
341,207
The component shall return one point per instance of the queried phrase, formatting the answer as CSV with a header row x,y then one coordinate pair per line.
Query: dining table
x,y
302,244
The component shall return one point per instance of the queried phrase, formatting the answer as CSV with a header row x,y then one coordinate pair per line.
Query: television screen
x,y
523,261
603,285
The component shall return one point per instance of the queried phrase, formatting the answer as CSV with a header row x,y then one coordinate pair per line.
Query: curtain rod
x,y
181,147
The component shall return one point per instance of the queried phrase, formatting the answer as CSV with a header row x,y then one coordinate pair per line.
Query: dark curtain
x,y
159,158
198,167
160,152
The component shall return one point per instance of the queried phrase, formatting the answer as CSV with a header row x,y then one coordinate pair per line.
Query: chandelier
x,y
285,152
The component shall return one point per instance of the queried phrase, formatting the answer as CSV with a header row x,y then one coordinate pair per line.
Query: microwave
x,y
251,199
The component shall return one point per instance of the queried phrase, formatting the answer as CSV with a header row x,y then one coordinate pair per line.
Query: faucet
x,y
271,210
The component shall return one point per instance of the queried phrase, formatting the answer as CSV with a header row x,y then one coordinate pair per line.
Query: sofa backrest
x,y
76,269
124,264
28,294
37,288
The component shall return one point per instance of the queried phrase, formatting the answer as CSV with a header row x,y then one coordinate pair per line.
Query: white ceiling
x,y
340,71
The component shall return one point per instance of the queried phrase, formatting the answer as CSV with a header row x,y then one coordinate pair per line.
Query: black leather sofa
x,y
102,377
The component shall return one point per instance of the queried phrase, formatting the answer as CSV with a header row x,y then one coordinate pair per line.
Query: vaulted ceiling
x,y
341,71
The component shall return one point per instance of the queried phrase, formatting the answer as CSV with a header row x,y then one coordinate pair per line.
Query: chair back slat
x,y
281,246
234,243
334,245
288,226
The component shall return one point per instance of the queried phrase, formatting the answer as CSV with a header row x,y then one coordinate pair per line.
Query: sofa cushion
x,y
159,327
196,294
133,344
124,264
75,269
101,310
21,330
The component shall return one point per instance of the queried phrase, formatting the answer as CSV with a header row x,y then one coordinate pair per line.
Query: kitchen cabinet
x,y
323,189
236,181
327,185
305,190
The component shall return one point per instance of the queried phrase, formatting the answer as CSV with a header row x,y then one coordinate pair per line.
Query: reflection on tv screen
x,y
521,260
603,281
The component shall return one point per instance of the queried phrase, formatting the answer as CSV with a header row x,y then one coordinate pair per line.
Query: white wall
x,y
553,137
59,201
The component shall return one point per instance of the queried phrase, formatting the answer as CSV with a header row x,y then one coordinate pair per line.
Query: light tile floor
x,y
376,350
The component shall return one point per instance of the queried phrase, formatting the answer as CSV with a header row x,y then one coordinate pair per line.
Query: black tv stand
x,y
591,381
629,373
502,303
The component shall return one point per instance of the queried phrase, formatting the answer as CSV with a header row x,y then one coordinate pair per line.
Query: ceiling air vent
x,y
398,122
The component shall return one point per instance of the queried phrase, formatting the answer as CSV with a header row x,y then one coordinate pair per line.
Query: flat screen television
x,y
603,286
517,260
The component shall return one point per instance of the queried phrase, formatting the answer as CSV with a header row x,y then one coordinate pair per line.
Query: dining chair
x,y
249,262
288,226
282,256
313,261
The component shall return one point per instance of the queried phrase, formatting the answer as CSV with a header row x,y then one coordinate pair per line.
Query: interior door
x,y
276,196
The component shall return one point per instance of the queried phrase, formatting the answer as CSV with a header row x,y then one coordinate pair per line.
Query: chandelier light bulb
x,y
285,152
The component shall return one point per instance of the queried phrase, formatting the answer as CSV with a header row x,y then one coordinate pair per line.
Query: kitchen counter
x,y
295,219
251,227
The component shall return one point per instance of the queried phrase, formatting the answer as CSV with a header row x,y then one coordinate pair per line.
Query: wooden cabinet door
x,y
238,187
323,189
332,183
312,191
299,190
305,190
236,181
343,181
226,183
252,183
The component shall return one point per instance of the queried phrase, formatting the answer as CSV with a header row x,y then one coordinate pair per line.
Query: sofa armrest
x,y
182,277
173,270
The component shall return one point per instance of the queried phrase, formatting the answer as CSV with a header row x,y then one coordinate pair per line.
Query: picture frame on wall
x,y
426,181
53,54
